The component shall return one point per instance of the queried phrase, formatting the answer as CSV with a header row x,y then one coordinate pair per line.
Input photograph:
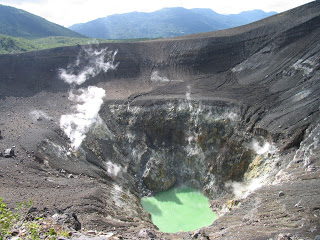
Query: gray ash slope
x,y
172,99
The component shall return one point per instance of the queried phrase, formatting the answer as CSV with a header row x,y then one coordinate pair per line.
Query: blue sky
x,y
68,12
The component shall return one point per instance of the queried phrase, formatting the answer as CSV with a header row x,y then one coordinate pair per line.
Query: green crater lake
x,y
179,209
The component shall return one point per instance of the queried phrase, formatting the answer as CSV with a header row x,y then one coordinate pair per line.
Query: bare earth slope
x,y
267,72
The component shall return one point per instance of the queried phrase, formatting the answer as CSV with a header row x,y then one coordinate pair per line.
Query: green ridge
x,y
19,23
19,45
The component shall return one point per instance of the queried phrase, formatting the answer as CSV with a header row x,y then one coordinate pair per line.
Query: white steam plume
x,y
112,168
38,115
255,145
88,64
77,124
258,175
155,77
243,189
188,93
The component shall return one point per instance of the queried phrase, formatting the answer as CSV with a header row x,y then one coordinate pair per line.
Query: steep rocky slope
x,y
226,112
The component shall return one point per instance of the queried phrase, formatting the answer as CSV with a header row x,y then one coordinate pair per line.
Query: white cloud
x,y
20,1
68,12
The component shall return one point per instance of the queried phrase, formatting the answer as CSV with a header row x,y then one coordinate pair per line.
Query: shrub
x,y
18,223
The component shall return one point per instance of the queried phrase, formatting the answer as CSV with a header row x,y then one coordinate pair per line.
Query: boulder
x,y
69,219
146,233
8,153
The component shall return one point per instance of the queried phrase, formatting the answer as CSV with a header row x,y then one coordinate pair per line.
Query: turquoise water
x,y
179,209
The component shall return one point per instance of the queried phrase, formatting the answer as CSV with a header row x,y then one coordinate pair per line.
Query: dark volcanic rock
x,y
156,177
68,219
225,112
8,153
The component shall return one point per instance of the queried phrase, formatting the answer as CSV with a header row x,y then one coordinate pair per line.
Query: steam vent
x,y
232,114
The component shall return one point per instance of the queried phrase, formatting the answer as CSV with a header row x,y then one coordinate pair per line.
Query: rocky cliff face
x,y
177,142
225,112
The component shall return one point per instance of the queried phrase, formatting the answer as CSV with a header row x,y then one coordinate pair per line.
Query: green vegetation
x,y
167,22
21,31
18,223
53,42
19,45
14,45
19,23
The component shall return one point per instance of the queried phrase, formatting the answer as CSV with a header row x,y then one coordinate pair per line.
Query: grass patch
x,y
18,223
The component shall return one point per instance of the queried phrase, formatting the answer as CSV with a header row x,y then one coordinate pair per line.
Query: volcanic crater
x,y
233,114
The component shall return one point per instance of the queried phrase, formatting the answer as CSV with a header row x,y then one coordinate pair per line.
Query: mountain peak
x,y
19,23
163,23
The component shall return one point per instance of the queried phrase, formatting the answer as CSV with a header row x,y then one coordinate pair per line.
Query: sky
x,y
68,12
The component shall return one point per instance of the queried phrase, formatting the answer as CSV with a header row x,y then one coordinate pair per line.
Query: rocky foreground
x,y
233,113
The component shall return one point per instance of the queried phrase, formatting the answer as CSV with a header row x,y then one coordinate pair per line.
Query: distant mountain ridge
x,y
167,22
19,23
